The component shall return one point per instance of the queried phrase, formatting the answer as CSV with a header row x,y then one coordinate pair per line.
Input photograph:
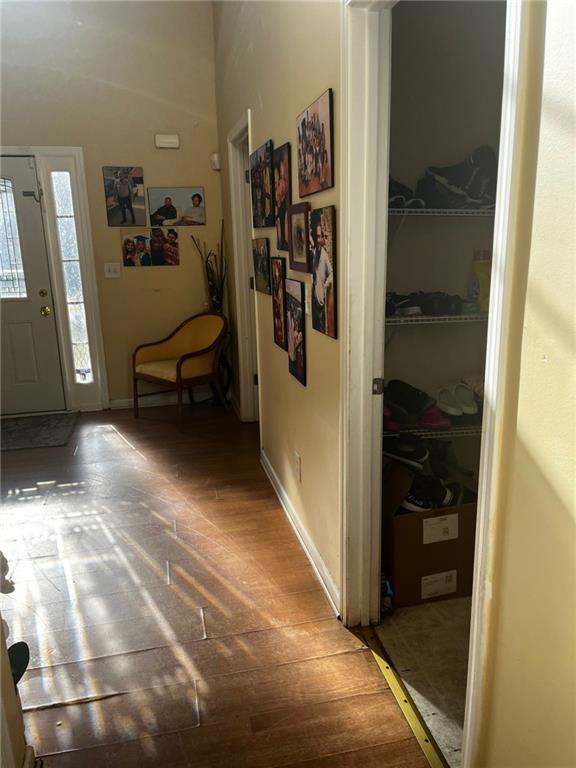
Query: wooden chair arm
x,y
198,353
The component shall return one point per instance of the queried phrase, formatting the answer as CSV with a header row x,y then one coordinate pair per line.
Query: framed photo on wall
x,y
261,256
124,194
176,206
282,194
296,329
278,271
262,186
156,247
314,130
298,239
323,262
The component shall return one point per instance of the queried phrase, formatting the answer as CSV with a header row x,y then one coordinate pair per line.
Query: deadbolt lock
x,y
45,311
43,293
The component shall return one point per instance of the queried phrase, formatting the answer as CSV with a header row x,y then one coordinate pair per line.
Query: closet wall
x,y
446,101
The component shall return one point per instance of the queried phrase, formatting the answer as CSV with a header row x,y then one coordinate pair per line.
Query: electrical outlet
x,y
298,466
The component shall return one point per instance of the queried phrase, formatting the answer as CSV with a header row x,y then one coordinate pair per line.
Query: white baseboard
x,y
326,580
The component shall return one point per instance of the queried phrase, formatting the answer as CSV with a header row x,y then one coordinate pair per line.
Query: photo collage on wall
x,y
307,234
153,239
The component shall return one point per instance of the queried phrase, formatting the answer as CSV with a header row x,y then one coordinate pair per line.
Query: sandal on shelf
x,y
448,403
476,384
465,397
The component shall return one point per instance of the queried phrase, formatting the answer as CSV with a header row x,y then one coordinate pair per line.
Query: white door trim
x,y
246,344
78,396
367,26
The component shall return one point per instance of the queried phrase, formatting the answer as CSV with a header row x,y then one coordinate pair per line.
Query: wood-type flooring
x,y
172,616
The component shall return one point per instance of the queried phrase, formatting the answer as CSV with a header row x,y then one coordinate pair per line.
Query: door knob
x,y
45,311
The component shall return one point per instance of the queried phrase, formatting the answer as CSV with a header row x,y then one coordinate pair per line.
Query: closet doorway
x,y
431,122
443,166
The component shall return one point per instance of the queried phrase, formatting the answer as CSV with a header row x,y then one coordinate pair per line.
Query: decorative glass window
x,y
72,278
12,282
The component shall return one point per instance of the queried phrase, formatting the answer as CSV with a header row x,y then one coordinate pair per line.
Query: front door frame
x,y
84,397
367,30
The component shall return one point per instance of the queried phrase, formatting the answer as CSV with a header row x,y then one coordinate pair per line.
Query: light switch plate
x,y
112,270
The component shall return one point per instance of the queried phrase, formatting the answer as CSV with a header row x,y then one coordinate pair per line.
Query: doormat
x,y
37,431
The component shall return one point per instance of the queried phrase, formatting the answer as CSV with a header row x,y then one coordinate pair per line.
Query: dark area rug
x,y
37,431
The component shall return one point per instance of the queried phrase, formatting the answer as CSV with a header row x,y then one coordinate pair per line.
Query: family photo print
x,y
124,194
156,247
316,146
176,206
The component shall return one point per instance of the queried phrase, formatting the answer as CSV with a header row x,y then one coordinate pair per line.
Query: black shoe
x,y
402,397
438,303
398,194
19,656
435,195
474,180
407,449
428,492
398,304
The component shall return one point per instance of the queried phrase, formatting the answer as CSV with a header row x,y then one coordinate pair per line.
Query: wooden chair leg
x,y
218,388
180,410
135,397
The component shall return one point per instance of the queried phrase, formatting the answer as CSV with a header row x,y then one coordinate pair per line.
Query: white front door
x,y
31,371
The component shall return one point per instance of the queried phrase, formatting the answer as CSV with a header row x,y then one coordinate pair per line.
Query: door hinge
x,y
256,379
247,176
251,283
377,386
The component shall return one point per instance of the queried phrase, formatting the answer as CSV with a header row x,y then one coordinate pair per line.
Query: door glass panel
x,y
68,241
62,193
72,281
12,282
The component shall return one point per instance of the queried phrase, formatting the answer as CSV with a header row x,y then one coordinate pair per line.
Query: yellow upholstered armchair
x,y
187,357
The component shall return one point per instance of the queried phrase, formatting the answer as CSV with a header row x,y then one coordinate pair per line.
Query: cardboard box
x,y
427,555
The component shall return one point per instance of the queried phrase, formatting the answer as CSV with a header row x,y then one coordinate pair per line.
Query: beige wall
x,y
530,714
276,58
107,77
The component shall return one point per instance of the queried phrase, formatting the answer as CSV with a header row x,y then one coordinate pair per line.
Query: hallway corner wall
x,y
276,58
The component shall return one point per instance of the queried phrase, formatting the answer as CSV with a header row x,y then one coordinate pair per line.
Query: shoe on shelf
x,y
433,418
437,196
473,180
476,384
438,303
390,423
398,194
428,492
407,449
448,403
406,398
402,305
465,397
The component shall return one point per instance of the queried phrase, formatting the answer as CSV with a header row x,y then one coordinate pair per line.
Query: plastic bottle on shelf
x,y
479,283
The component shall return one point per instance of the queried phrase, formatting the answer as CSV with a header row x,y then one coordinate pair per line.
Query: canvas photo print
x,y
298,237
323,262
278,271
261,186
261,256
316,146
156,247
176,206
295,327
282,194
124,194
